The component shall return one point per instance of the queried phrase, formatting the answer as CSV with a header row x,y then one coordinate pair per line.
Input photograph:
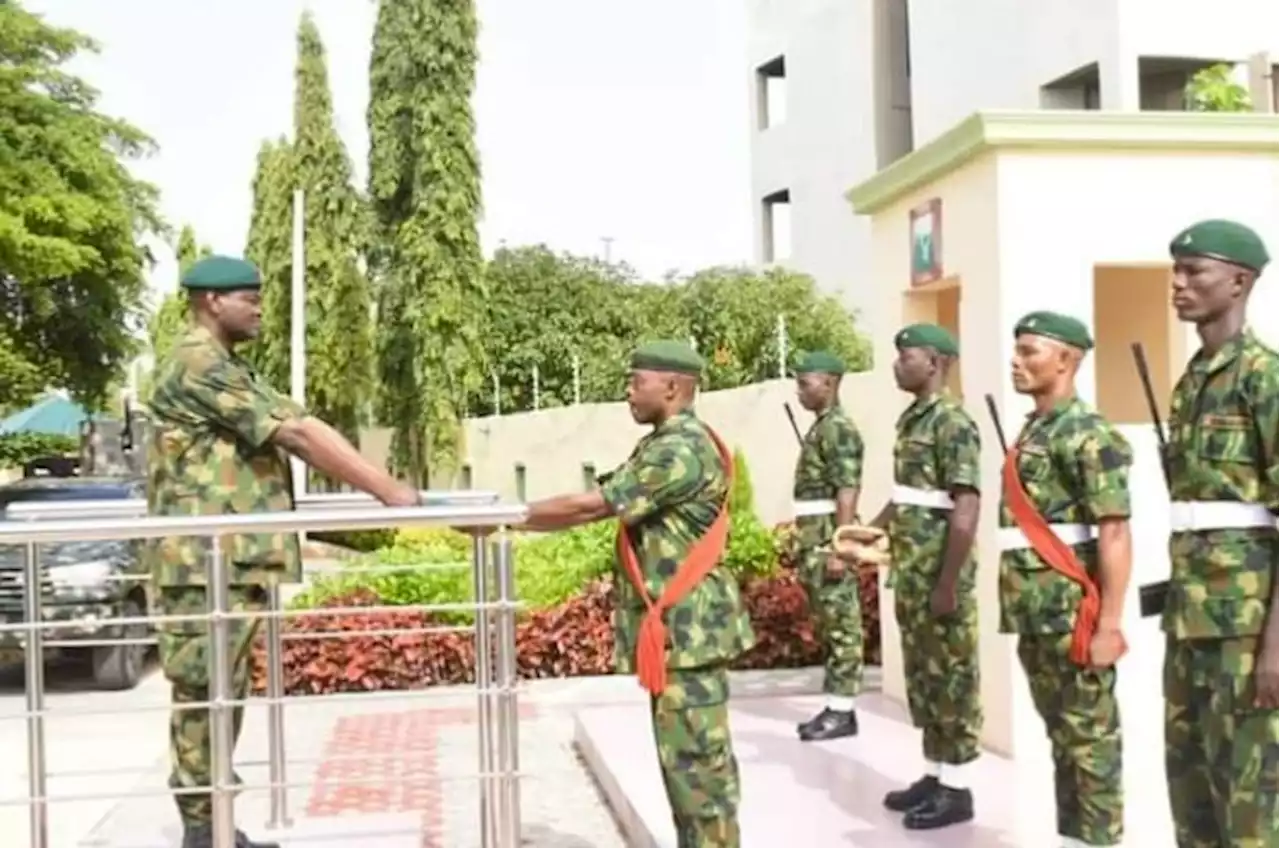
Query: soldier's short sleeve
x,y
665,472
230,395
842,454
1104,458
961,446
1263,389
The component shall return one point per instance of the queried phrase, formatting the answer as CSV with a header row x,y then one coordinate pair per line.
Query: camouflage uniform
x,y
667,494
1220,750
210,453
937,451
1074,466
830,460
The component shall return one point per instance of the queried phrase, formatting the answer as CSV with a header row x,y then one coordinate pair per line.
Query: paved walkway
x,y
830,794
391,771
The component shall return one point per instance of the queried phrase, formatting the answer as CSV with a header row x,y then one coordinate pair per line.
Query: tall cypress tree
x,y
424,186
270,247
339,332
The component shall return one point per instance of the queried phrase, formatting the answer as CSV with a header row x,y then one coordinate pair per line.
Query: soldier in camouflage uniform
x,y
1220,616
217,444
932,519
678,608
827,481
1064,598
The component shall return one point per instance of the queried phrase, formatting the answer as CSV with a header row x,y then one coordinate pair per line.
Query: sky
x,y
625,119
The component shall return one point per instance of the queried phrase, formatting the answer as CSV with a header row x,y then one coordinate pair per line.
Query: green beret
x,y
820,362
676,357
927,335
222,273
1054,325
1227,240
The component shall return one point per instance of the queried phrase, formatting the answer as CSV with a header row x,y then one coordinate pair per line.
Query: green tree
x,y
424,186
270,247
170,318
339,331
72,219
733,318
1212,89
545,309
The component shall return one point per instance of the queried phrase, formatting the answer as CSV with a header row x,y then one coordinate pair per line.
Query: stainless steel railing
x,y
494,608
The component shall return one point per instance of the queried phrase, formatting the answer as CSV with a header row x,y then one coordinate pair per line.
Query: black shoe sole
x,y
829,735
936,824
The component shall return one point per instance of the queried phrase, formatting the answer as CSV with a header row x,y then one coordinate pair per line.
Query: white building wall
x,y
826,142
964,57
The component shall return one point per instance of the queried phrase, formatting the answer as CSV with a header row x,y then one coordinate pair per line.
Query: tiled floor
x,y
827,794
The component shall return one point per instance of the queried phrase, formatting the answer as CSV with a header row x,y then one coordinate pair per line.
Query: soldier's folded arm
x,y
257,414
1104,458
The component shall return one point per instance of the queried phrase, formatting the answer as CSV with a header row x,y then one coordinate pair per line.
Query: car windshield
x,y
67,553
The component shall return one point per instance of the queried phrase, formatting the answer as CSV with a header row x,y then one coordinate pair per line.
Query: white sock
x,y
839,703
932,769
955,777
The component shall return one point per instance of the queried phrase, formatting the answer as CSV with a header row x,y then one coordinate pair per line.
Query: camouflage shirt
x,y
830,460
937,448
1075,467
667,494
1222,447
210,454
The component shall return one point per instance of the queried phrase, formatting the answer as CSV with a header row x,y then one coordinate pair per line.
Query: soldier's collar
x,y
1057,409
675,421
201,333
1225,355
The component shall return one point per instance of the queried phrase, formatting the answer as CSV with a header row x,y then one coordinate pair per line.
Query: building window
x,y
771,93
1080,89
776,224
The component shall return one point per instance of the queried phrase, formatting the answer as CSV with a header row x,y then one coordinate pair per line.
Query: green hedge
x,y
550,568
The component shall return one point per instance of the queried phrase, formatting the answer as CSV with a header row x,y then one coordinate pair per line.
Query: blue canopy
x,y
53,415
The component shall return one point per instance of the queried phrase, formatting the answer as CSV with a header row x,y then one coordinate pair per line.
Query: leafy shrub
x,y
17,449
742,495
365,541
570,639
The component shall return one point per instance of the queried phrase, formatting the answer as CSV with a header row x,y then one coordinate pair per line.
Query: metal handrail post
x,y
277,765
220,713
37,765
508,717
484,682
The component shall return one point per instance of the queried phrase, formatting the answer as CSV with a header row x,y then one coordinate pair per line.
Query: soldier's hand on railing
x,y
402,495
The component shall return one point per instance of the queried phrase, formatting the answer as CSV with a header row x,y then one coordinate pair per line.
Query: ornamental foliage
x,y
72,221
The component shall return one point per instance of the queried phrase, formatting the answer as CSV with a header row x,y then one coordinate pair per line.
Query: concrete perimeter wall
x,y
553,444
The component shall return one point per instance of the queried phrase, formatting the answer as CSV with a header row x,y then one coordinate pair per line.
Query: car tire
x,y
119,668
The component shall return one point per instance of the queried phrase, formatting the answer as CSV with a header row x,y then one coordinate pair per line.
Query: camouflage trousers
x,y
837,613
695,752
1082,719
184,656
940,664
1219,749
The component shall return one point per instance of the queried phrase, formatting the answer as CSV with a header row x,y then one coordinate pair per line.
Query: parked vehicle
x,y
85,585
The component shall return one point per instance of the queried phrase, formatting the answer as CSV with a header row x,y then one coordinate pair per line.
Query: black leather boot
x,y
901,800
943,808
829,724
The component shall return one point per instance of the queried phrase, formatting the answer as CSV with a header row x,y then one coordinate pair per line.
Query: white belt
x,y
809,509
1190,516
1012,538
928,498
